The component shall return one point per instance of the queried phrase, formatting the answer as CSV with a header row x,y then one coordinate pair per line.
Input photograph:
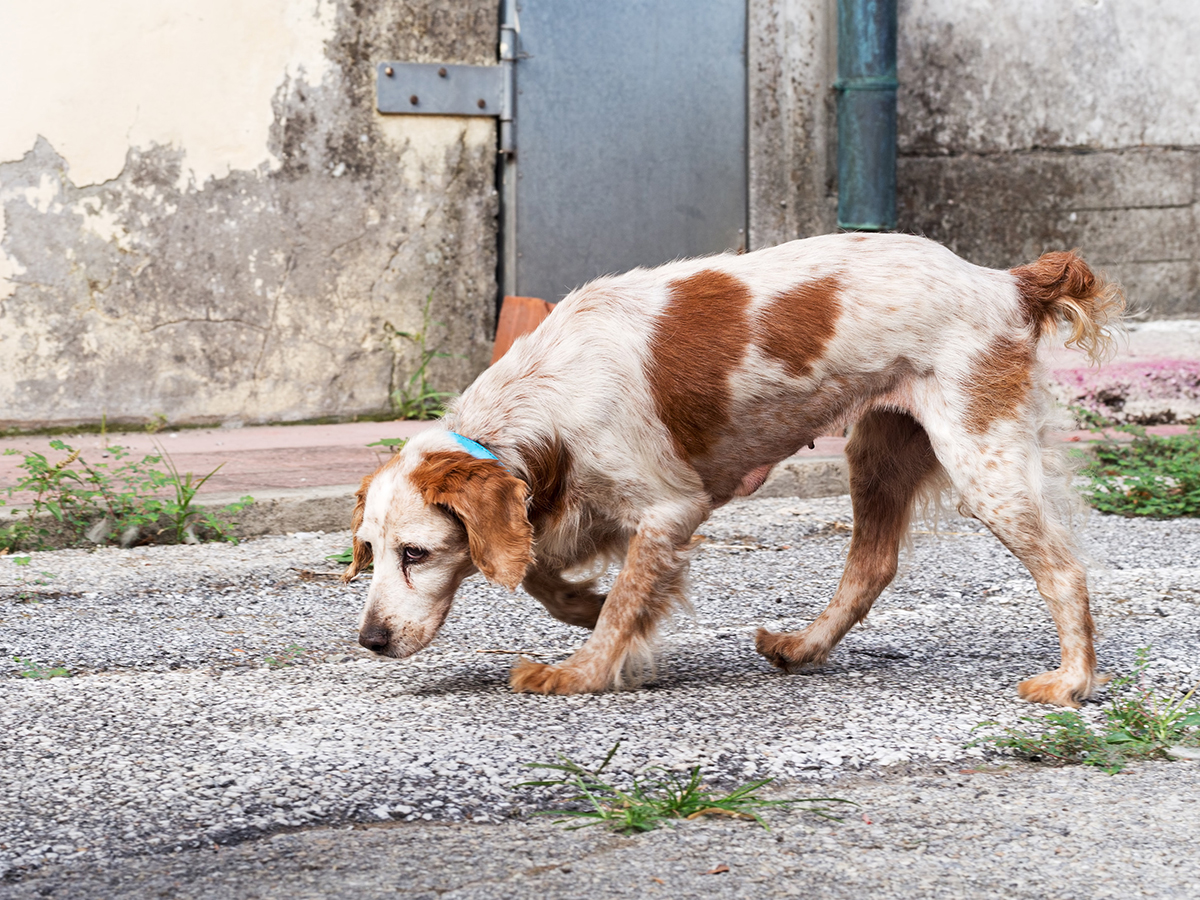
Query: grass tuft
x,y
1139,723
289,656
651,801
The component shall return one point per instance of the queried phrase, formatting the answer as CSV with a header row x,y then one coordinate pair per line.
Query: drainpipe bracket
x,y
867,83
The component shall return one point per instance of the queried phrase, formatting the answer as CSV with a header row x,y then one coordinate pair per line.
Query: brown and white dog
x,y
648,399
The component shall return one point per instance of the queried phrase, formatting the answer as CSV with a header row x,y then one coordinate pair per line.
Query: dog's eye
x,y
414,555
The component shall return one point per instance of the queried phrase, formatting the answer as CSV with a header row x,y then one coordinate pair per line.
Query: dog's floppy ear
x,y
490,502
361,552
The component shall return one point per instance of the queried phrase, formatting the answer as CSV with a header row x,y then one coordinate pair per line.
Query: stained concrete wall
x,y
1023,127
1057,123
203,217
792,65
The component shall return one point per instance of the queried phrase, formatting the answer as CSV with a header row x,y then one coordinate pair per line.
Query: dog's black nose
x,y
375,637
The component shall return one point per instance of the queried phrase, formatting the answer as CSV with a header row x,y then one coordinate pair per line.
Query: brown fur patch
x,y
548,466
698,341
1000,384
890,458
798,324
490,502
361,555
1042,282
573,602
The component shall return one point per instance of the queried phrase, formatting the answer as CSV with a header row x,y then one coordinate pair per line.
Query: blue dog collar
x,y
475,448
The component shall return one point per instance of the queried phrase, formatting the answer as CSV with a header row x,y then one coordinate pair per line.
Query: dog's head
x,y
427,519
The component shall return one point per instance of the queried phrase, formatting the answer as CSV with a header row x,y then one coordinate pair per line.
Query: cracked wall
x,y
216,226
1026,127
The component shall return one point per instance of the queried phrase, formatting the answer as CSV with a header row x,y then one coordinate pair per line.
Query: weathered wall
x,y
202,216
792,59
1054,124
1023,127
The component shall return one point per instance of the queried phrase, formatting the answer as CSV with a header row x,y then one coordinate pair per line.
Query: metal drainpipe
x,y
866,114
510,51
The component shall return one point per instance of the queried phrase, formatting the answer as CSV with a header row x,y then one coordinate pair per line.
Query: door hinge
x,y
446,89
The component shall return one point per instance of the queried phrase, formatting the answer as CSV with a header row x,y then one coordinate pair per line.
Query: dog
x,y
648,399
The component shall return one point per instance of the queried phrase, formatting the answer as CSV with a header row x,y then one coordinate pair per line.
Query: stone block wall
x,y
1053,124
1023,127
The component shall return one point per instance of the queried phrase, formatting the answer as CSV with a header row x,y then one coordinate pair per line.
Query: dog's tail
x,y
1059,287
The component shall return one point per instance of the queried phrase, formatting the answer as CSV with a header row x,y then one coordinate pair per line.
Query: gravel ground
x,y
218,696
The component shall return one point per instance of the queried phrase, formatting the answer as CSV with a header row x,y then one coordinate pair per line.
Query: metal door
x,y
630,138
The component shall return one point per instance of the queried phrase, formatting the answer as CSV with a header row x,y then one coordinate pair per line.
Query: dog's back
x,y
731,363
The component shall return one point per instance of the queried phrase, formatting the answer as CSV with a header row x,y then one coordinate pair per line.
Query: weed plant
x,y
30,669
25,580
74,501
1153,475
1138,724
393,444
651,801
289,656
416,398
343,557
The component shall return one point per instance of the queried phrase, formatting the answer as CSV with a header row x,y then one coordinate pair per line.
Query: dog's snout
x,y
375,637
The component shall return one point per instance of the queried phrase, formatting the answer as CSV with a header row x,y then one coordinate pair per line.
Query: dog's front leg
x,y
619,650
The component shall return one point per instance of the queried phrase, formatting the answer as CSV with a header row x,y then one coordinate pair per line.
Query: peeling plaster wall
x,y
97,78
203,217
1032,126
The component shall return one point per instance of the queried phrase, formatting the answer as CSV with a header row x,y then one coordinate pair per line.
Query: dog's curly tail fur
x,y
1060,287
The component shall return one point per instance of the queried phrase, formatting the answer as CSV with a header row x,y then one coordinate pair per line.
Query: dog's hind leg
x,y
573,602
649,586
1002,481
890,458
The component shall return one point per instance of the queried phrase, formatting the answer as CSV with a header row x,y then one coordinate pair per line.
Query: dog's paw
x,y
538,678
789,650
1059,687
